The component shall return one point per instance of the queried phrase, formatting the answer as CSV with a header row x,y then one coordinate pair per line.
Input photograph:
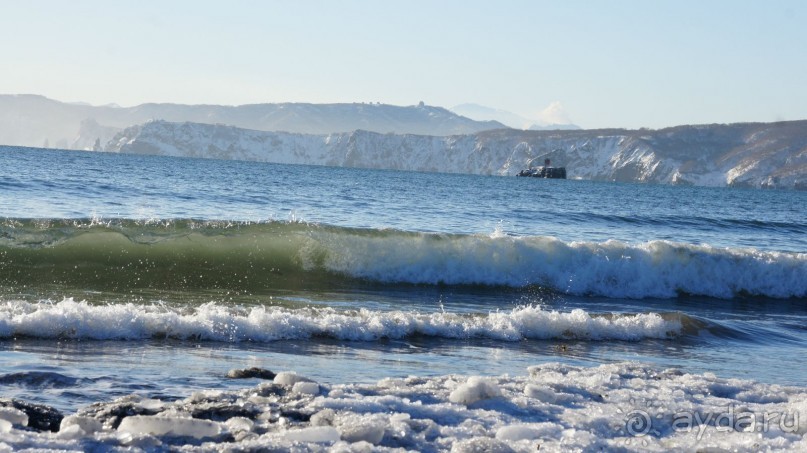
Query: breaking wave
x,y
70,319
186,255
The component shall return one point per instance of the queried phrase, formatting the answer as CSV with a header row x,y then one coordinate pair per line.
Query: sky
x,y
614,63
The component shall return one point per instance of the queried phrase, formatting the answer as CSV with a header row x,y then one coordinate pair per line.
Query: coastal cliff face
x,y
418,137
761,155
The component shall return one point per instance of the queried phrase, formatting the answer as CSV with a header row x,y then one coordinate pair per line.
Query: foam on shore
x,y
554,407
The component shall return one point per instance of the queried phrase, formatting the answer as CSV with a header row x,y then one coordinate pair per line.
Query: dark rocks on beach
x,y
223,410
296,415
218,407
253,372
265,405
111,414
40,417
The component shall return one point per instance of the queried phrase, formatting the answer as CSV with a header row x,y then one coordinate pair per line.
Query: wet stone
x,y
111,414
223,411
249,373
40,417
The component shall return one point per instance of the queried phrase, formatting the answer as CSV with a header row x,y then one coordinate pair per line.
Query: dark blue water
x,y
729,265
53,184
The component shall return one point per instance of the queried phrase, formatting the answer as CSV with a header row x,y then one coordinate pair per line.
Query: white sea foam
x,y
85,425
474,390
81,320
169,426
13,416
625,407
658,269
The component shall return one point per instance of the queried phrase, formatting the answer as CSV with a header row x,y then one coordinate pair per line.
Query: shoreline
x,y
631,406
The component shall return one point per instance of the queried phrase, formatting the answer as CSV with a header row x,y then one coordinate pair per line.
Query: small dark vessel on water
x,y
547,171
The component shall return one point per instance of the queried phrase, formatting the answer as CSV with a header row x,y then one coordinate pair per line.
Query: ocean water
x,y
444,311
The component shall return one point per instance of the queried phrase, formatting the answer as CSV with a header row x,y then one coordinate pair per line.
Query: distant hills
x,y
32,120
420,138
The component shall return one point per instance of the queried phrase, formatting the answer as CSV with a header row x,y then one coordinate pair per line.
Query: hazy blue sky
x,y
608,63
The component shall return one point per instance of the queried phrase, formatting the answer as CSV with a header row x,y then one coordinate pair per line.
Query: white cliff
x,y
748,155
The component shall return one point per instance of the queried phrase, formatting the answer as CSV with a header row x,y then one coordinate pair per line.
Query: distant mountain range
x,y
420,138
549,122
32,120
756,155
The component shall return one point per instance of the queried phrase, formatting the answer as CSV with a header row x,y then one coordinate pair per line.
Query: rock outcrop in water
x,y
759,155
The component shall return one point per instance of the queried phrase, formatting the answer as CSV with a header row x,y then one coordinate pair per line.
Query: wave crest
x,y
81,320
188,255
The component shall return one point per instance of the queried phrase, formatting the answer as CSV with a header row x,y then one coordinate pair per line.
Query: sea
x,y
397,310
